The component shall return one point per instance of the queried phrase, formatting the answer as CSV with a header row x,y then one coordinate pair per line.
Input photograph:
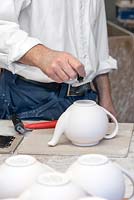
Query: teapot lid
x,y
20,160
53,179
93,160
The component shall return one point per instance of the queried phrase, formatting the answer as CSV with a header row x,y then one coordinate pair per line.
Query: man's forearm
x,y
35,55
59,66
102,85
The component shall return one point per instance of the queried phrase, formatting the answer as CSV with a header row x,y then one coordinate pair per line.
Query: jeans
x,y
30,101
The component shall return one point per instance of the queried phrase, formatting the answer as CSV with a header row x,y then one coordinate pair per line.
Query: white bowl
x,y
92,198
18,173
99,176
53,186
11,199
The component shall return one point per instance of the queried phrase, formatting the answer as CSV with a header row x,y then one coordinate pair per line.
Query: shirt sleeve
x,y
14,42
105,62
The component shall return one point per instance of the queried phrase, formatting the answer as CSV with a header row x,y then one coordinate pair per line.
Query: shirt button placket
x,y
83,37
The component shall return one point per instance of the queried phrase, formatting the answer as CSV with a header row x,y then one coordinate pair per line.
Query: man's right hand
x,y
59,66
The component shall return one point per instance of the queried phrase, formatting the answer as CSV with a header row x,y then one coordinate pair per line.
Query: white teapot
x,y
52,186
84,123
98,176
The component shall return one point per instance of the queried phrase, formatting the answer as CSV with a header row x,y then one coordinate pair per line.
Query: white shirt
x,y
74,26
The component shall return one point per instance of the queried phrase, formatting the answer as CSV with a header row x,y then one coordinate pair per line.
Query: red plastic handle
x,y
41,125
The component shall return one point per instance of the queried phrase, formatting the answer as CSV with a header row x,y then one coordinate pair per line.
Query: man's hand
x,y
59,66
102,85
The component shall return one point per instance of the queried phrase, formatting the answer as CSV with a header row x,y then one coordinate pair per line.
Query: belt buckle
x,y
78,91
69,92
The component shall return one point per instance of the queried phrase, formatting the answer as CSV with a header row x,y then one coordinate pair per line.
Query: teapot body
x,y
98,176
87,123
84,123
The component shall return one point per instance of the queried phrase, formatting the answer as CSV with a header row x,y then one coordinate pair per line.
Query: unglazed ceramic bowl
x,y
17,173
53,186
11,199
92,198
98,176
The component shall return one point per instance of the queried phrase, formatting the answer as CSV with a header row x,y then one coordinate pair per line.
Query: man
x,y
50,51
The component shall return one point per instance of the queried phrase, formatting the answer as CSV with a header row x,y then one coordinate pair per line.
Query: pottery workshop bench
x,y
60,157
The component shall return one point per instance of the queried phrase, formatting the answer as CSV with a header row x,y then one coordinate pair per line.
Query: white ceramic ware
x,y
11,199
53,186
84,123
17,173
99,176
92,198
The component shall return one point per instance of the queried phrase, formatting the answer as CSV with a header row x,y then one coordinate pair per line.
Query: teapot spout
x,y
59,129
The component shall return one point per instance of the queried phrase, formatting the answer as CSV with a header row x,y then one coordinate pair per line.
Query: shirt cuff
x,y
107,66
21,49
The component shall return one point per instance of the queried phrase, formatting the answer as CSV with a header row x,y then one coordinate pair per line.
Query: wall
x,y
121,43
110,8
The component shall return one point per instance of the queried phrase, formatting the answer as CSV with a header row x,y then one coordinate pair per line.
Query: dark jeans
x,y
31,101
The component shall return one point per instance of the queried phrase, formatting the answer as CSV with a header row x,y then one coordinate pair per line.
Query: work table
x,y
62,162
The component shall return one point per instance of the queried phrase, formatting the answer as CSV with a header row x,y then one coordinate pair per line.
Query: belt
x,y
53,86
71,91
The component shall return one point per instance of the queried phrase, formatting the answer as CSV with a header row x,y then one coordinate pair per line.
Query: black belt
x,y
71,91
50,86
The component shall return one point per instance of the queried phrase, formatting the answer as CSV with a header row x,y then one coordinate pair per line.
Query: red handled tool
x,y
22,128
41,125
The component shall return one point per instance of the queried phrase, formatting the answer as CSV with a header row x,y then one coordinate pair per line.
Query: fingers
x,y
70,67
68,70
62,66
56,78
62,72
57,73
62,75
77,66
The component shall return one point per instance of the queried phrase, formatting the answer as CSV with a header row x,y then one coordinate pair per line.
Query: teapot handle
x,y
126,173
114,133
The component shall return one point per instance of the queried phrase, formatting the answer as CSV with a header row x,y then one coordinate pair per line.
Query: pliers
x,y
22,128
